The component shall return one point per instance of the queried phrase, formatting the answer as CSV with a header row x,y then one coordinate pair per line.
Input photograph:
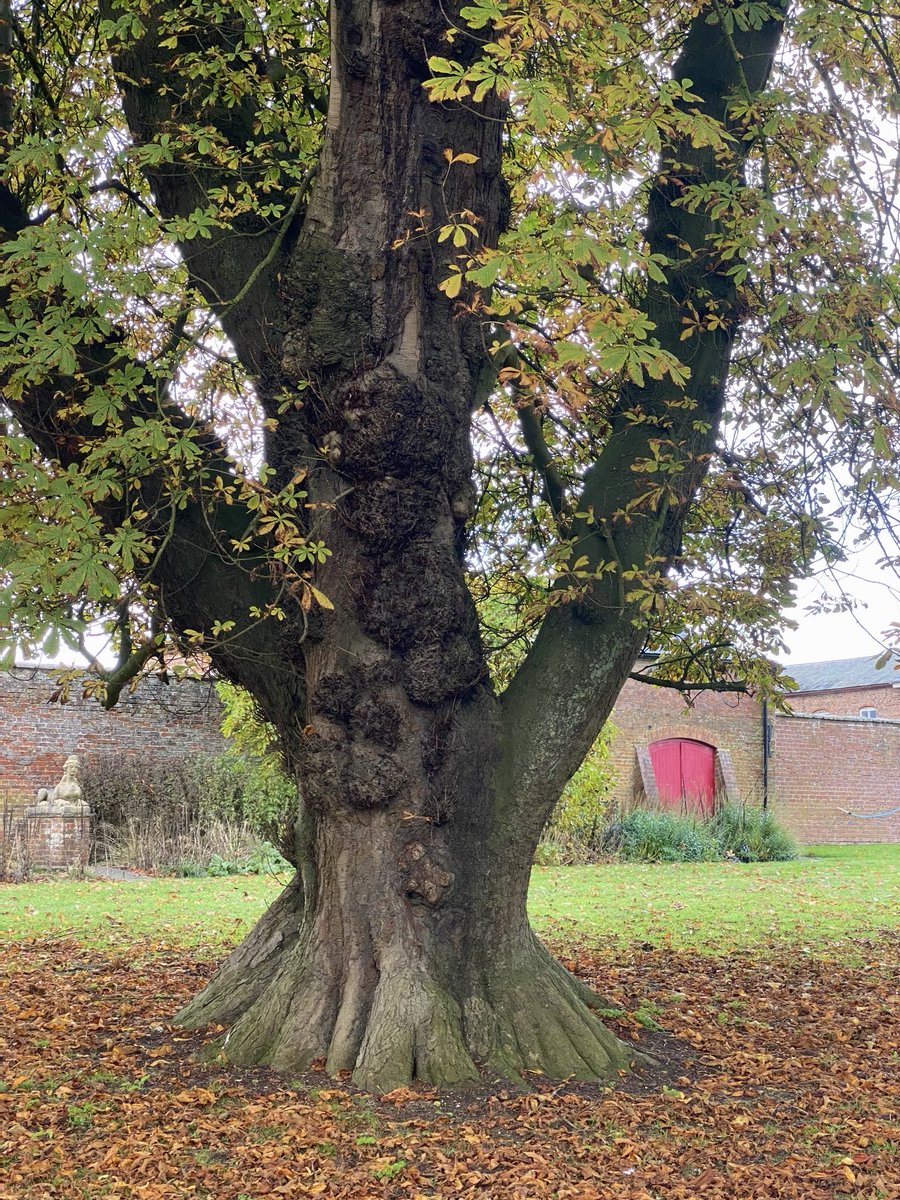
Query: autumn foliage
x,y
772,1082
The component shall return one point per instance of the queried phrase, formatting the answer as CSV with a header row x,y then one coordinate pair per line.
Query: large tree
x,y
351,344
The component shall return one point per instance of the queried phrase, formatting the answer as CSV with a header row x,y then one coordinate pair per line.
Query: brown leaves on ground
x,y
777,1077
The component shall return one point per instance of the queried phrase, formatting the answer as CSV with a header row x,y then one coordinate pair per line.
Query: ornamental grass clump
x,y
651,835
736,831
752,835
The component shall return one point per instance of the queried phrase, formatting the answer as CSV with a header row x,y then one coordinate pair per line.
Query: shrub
x,y
129,789
15,859
199,813
651,835
269,795
187,790
736,831
185,813
250,790
752,835
262,859
576,829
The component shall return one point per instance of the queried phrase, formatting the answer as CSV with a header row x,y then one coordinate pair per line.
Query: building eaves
x,y
841,673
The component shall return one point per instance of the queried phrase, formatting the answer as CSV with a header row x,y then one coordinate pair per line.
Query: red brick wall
x,y
846,702
819,765
823,765
36,737
727,720
57,843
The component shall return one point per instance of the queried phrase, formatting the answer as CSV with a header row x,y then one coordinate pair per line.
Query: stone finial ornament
x,y
66,797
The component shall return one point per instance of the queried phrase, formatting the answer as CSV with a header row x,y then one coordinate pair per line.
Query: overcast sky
x,y
819,637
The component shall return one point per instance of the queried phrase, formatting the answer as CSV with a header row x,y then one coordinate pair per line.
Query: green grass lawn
x,y
833,893
836,892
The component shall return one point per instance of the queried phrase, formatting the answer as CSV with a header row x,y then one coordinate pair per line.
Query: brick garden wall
x,y
726,720
36,736
823,765
818,766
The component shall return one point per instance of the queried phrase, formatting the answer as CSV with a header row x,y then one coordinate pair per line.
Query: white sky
x,y
818,637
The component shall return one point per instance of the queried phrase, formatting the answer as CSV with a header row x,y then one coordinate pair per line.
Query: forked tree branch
x,y
561,695
544,461
234,263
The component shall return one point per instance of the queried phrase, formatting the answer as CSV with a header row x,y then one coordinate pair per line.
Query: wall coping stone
x,y
795,716
36,811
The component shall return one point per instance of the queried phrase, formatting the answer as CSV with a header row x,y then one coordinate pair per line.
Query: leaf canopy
x,y
157,160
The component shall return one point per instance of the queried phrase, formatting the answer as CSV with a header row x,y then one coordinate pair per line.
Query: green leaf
x,y
443,66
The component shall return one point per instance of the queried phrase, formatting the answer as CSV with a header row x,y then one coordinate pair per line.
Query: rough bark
x,y
248,971
403,950
414,957
409,963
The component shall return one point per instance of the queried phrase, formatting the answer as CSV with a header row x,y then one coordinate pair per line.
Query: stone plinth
x,y
58,839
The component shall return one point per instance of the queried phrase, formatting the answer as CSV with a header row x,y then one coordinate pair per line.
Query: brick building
x,y
847,687
825,769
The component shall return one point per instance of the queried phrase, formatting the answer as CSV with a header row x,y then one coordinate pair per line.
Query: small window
x,y
869,713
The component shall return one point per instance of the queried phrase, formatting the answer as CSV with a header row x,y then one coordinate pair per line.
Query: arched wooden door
x,y
685,772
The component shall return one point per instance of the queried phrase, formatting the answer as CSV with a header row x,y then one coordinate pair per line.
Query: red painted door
x,y
685,773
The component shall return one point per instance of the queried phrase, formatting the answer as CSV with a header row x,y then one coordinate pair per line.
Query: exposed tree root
x,y
414,1031
384,1016
291,1023
534,1018
247,972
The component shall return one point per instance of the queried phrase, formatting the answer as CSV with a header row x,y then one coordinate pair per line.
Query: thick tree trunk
x,y
413,960
406,953
410,955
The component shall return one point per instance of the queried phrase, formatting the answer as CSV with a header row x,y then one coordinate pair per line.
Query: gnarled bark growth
x,y
402,949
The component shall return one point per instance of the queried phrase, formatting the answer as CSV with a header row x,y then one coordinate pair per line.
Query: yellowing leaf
x,y
320,597
452,286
